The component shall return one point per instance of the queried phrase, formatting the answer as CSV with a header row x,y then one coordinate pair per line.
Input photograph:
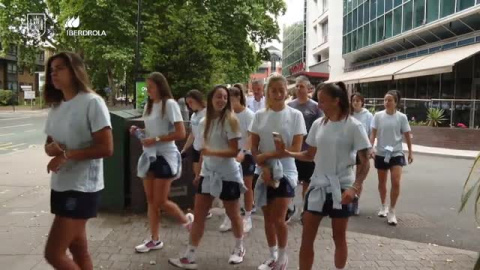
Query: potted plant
x,y
472,187
435,117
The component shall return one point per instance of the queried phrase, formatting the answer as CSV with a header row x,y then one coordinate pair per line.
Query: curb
x,y
445,155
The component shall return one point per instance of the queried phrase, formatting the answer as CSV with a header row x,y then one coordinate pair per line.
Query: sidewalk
x,y
443,152
25,221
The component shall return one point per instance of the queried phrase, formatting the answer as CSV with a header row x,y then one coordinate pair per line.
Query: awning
x,y
437,63
354,76
385,73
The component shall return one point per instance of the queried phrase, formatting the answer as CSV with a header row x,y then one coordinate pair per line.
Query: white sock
x,y
392,210
282,255
239,243
190,253
273,252
248,213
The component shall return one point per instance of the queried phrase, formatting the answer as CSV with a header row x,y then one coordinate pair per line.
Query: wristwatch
x,y
157,139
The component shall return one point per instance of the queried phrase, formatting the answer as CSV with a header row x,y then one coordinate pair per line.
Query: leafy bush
x,y
435,117
6,97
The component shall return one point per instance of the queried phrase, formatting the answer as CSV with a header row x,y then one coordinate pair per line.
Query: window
x,y
432,10
380,29
12,50
365,35
345,24
366,12
354,41
11,85
407,16
325,5
433,86
447,7
349,5
388,25
325,32
419,7
397,3
373,33
349,26
360,38
360,15
373,9
388,5
354,19
447,85
380,7
464,4
397,21
12,68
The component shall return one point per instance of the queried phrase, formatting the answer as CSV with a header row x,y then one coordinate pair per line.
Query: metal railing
x,y
458,112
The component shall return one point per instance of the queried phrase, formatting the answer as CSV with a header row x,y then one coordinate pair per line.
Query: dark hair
x,y
75,65
197,96
360,96
396,95
317,89
225,115
235,91
163,90
338,90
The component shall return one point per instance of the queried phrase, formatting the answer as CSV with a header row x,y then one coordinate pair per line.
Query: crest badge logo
x,y
36,24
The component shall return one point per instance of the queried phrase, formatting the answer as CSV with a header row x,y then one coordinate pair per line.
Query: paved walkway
x,y
25,221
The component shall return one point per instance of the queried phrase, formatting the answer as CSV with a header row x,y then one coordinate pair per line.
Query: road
x,y
21,130
427,210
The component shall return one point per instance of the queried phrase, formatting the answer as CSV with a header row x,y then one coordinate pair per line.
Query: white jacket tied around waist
x,y
150,153
260,188
213,179
322,184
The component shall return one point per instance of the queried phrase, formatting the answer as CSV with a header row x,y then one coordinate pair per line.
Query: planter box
x,y
453,138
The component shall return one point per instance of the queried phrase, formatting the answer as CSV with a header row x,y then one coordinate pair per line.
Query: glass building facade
x,y
294,47
366,22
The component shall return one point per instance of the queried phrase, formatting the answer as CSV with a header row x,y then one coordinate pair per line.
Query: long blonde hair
x,y
225,115
274,78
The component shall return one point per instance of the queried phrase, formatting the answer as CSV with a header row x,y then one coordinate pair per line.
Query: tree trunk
x,y
111,84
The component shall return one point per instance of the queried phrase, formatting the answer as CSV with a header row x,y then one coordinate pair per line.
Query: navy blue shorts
x,y
160,168
195,155
284,190
230,190
248,165
305,170
74,204
328,210
380,163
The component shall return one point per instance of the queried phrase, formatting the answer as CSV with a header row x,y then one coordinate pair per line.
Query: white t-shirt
x,y
157,124
195,124
245,118
365,117
255,105
288,122
72,123
218,139
390,130
337,143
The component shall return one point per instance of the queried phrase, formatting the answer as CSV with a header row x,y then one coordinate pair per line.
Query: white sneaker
x,y
190,218
392,219
148,245
183,263
226,225
383,211
281,266
267,265
237,256
247,224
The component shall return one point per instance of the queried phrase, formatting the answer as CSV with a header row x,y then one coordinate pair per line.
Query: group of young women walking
x,y
261,155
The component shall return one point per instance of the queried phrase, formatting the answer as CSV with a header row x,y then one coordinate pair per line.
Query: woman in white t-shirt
x,y
389,127
79,136
161,163
220,177
338,137
287,123
245,117
196,103
365,117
